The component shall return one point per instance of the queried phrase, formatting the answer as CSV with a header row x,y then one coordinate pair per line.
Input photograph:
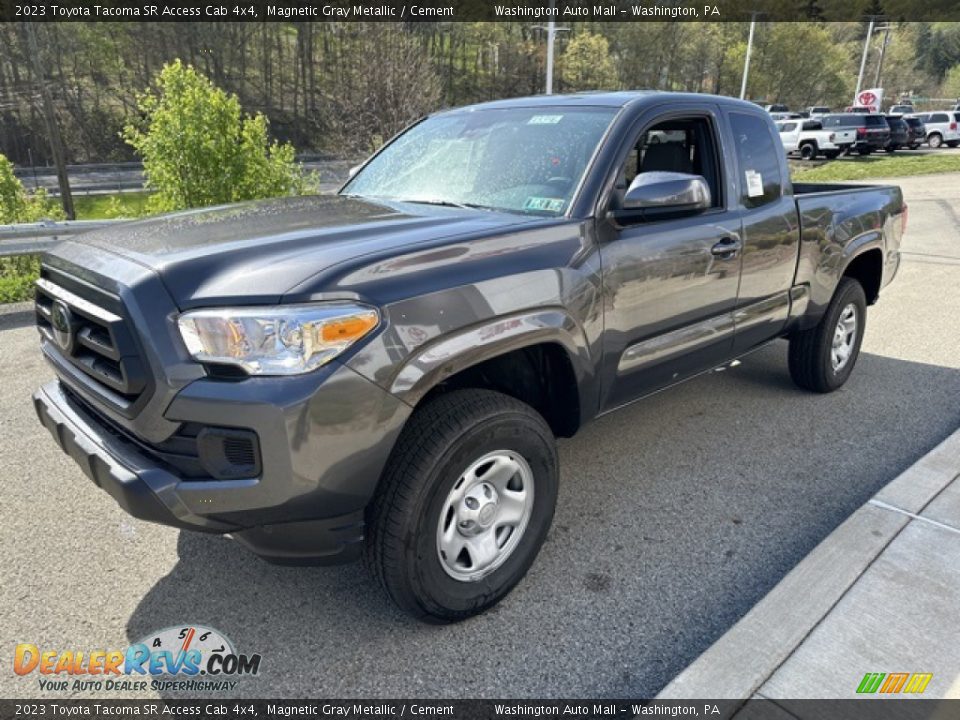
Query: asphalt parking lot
x,y
675,516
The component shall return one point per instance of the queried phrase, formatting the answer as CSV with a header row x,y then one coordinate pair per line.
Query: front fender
x,y
451,354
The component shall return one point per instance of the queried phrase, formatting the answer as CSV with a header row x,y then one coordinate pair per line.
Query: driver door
x,y
670,279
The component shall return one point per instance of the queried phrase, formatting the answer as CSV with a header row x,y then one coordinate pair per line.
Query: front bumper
x,y
325,439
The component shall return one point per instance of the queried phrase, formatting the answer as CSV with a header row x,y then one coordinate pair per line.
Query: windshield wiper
x,y
447,203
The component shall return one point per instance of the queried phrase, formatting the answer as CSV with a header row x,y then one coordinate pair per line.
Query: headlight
x,y
281,340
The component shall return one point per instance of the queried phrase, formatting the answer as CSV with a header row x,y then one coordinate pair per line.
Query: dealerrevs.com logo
x,y
188,658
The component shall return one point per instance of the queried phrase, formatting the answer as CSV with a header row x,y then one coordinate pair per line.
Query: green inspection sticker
x,y
542,203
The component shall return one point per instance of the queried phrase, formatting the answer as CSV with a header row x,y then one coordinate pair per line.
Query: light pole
x,y
883,50
746,62
552,31
863,60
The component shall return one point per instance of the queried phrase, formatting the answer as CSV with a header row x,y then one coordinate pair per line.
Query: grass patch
x,y
883,165
108,207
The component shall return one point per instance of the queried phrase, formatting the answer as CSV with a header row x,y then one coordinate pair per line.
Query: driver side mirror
x,y
657,190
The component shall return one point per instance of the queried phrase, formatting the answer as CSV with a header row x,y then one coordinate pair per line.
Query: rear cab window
x,y
758,159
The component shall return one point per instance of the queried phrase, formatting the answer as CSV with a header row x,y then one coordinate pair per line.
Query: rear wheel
x,y
822,358
935,140
464,506
808,151
831,154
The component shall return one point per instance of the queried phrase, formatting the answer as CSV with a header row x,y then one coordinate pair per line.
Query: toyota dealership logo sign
x,y
870,98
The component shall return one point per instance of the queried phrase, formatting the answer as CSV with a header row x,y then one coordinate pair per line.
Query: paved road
x,y
675,516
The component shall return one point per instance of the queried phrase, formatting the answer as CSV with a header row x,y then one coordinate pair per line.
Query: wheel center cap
x,y
487,513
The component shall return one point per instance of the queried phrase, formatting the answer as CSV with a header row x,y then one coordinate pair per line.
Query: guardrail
x,y
34,238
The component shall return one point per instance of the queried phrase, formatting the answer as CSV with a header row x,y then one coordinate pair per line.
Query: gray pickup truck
x,y
384,372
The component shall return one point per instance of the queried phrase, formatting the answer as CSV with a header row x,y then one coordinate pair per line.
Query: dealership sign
x,y
871,98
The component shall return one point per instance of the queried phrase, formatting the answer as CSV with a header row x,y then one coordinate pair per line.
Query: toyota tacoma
x,y
384,372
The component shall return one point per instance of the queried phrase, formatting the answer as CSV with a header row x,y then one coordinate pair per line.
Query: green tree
x,y
586,63
198,147
951,83
17,274
16,205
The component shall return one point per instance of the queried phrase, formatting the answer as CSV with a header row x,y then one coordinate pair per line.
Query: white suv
x,y
943,126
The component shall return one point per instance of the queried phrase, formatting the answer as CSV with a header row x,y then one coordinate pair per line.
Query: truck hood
x,y
255,252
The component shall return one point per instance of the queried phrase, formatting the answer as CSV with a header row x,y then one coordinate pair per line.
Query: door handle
x,y
727,248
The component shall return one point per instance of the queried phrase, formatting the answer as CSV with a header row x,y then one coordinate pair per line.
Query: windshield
x,y
527,160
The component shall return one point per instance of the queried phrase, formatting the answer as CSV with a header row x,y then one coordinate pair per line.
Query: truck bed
x,y
841,221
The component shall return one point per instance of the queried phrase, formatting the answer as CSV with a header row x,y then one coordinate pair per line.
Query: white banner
x,y
872,98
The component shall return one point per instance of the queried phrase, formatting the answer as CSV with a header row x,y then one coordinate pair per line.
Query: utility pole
x,y
552,31
863,60
746,62
50,120
883,51
551,36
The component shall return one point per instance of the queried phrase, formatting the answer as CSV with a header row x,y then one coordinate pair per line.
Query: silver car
x,y
943,127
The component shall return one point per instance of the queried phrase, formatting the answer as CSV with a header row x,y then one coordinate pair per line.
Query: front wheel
x,y
865,151
822,358
953,143
464,506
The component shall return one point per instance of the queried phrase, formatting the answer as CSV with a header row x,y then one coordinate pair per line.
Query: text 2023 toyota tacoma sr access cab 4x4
x,y
383,372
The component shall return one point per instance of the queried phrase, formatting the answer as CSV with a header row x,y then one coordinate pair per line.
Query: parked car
x,y
872,130
901,110
776,107
808,139
776,116
858,109
942,127
384,371
815,111
899,133
916,131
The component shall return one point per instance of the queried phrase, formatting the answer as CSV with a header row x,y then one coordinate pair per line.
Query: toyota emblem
x,y
62,321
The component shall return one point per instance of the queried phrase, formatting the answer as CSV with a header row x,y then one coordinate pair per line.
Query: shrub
x,y
17,274
198,147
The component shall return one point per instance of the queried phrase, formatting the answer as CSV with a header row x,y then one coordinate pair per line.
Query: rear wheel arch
x,y
867,269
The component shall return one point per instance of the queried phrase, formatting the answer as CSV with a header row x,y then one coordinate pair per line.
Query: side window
x,y
938,118
758,158
684,145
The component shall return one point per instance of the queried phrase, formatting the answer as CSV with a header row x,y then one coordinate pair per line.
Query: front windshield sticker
x,y
545,119
754,183
542,203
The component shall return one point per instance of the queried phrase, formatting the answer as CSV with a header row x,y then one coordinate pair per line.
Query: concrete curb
x,y
16,314
737,664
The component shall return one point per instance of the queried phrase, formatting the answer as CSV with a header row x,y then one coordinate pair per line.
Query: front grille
x,y
85,326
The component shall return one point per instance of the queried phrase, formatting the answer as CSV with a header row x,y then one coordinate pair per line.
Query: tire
x,y
808,151
831,154
436,468
935,140
865,151
811,351
953,143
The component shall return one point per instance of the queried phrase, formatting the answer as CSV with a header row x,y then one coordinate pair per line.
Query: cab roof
x,y
614,99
